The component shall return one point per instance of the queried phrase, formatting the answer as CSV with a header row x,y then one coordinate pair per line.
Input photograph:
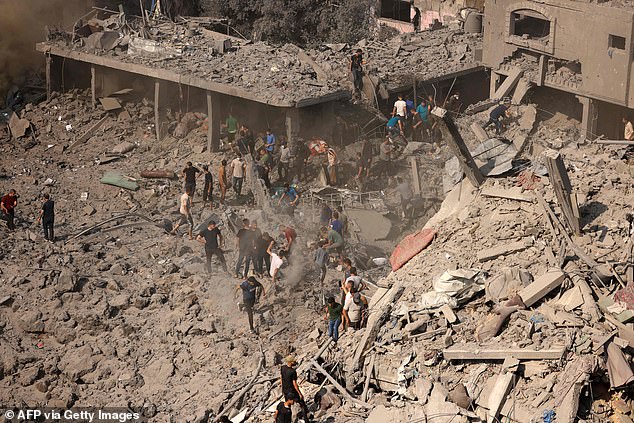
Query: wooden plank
x,y
448,313
615,142
502,250
509,194
415,178
340,388
478,352
48,77
89,133
93,86
210,116
109,103
541,286
563,189
521,89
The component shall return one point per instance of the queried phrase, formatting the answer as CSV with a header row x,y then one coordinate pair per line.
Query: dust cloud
x,y
22,24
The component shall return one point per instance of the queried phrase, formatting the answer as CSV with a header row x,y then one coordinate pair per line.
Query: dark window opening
x,y
396,9
528,24
614,41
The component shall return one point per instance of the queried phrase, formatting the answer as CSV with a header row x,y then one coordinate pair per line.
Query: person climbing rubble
x,y
238,168
497,115
213,241
189,174
357,281
251,292
277,260
290,388
208,188
356,68
353,309
245,243
186,214
47,217
321,258
289,237
333,317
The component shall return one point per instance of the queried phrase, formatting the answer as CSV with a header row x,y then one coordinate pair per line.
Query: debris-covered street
x,y
428,224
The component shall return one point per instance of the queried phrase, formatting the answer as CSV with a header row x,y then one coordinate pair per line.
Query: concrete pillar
x,y
292,125
93,86
495,79
589,117
157,117
213,124
48,77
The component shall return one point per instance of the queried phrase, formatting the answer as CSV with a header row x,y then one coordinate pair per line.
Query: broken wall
x,y
605,71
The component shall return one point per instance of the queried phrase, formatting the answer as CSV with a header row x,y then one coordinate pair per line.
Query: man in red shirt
x,y
290,235
7,205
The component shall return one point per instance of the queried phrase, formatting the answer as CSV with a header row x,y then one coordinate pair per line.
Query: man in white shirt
x,y
238,167
353,310
186,214
629,130
276,262
282,166
400,107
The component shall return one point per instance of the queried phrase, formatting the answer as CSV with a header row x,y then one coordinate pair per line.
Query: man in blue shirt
x,y
290,193
394,126
249,296
270,141
496,116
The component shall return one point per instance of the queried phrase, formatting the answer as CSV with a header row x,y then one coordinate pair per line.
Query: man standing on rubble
x,y
400,108
189,174
245,243
209,187
497,115
283,412
250,296
290,388
333,316
270,141
353,309
7,205
47,216
186,214
238,167
212,238
232,127
356,68
284,163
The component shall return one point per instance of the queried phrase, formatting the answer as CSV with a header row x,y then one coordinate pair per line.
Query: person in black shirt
x,y
212,238
283,413
290,388
209,186
496,116
262,262
245,243
356,67
189,174
47,216
250,295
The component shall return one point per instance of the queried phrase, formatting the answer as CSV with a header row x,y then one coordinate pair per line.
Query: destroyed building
x,y
503,293
549,44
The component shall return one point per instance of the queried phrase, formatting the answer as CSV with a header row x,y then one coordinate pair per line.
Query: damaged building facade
x,y
575,47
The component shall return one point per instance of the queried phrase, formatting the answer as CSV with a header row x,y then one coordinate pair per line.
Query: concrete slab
x,y
372,225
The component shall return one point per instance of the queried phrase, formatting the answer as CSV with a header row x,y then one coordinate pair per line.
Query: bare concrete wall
x,y
579,32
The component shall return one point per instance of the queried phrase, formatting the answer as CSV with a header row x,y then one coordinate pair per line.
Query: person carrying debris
x,y
245,243
209,187
212,238
186,214
238,167
222,180
353,310
497,115
189,174
289,235
7,206
283,412
629,130
333,316
356,68
335,241
232,127
291,194
47,217
394,126
290,388
251,291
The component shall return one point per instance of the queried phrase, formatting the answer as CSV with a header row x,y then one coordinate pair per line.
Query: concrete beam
x,y
213,125
157,117
292,125
589,117
93,86
48,77
508,84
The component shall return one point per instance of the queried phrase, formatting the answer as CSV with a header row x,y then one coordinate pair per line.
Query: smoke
x,y
22,24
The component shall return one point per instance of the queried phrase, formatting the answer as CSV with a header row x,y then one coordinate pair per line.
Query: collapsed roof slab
x,y
53,49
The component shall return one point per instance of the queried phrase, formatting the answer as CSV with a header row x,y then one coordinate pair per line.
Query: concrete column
x,y
157,116
48,77
213,125
292,125
495,79
589,117
93,86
